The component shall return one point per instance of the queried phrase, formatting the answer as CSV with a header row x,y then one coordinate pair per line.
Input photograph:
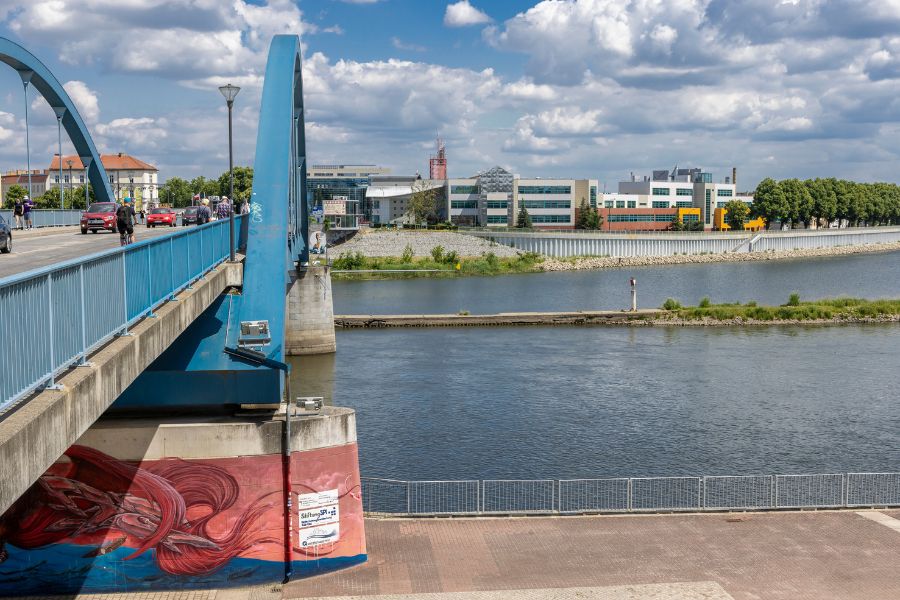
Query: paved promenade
x,y
845,555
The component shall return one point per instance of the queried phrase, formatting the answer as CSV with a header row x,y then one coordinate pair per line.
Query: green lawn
x,y
486,264
792,310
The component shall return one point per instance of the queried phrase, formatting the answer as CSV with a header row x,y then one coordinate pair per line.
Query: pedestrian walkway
x,y
793,555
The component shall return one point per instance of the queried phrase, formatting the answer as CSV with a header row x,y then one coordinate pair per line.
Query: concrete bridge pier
x,y
309,322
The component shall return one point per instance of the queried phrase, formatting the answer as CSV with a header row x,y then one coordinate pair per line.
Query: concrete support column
x,y
309,321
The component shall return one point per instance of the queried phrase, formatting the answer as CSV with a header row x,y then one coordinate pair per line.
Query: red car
x,y
161,216
99,216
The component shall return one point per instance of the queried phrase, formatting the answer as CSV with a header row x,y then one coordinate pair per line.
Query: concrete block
x,y
309,322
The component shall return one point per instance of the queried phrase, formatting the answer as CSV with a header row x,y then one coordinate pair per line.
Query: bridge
x,y
145,441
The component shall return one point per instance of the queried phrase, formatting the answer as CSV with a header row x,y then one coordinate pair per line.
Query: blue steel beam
x,y
49,87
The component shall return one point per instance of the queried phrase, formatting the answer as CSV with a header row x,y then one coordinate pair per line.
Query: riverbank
x,y
609,262
839,311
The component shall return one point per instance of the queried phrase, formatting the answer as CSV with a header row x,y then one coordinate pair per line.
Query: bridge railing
x,y
52,318
46,217
630,494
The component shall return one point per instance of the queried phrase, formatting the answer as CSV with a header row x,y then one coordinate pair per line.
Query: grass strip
x,y
794,309
486,264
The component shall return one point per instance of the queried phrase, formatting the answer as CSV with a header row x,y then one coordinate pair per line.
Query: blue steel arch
x,y
37,74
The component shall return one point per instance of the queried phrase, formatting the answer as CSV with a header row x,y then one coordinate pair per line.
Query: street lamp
x,y
71,184
230,92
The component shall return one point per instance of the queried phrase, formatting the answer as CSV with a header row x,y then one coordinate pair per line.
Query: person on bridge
x,y
125,217
223,210
203,213
27,206
245,207
18,211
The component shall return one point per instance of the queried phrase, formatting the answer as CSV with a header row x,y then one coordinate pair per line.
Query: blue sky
x,y
585,88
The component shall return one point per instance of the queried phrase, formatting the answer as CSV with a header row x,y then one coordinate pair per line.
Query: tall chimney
x,y
734,176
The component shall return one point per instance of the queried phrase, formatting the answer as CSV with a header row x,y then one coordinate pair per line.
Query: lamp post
x,y
71,183
87,179
230,92
60,112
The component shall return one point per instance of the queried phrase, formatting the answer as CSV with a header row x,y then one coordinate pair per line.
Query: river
x,y
571,402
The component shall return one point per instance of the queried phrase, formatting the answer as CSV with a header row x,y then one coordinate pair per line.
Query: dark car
x,y
189,216
99,216
5,237
161,216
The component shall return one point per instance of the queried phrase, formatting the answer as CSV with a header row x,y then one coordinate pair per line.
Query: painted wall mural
x,y
97,523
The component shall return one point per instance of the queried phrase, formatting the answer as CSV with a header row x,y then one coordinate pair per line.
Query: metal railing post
x,y
124,293
629,495
50,328
774,487
407,497
845,489
172,285
701,500
83,319
149,284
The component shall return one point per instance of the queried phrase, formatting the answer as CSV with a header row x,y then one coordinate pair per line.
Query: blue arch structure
x,y
32,70
196,372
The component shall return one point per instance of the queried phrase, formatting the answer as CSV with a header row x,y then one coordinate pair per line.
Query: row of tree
x,y
72,197
826,200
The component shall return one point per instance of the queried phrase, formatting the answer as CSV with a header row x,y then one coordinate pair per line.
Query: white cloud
x,y
85,100
463,14
401,45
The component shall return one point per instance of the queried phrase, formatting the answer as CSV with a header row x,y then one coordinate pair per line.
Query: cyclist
x,y
125,217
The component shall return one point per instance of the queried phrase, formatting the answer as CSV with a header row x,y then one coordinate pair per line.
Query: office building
x,y
341,189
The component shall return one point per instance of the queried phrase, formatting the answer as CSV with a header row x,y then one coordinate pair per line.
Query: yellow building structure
x,y
720,223
688,215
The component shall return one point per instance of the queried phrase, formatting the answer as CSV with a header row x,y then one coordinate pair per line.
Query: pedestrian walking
x,y
18,212
245,207
141,214
223,210
203,213
125,217
27,206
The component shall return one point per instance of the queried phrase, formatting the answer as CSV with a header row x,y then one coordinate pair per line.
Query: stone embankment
x,y
607,262
379,242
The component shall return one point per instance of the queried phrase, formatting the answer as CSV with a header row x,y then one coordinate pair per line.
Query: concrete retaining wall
x,y
562,245
309,322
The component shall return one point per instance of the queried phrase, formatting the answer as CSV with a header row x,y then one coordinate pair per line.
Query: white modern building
x,y
389,197
682,188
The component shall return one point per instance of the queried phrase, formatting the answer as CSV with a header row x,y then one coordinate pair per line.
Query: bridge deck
x,y
35,251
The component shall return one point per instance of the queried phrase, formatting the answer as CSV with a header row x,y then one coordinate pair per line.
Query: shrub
x,y
349,261
437,253
752,303
491,259
793,300
671,304
451,258
704,302
407,255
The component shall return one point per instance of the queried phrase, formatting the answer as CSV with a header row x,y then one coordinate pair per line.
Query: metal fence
x,y
46,217
632,494
52,318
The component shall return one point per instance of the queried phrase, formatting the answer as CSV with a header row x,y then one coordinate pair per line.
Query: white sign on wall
x,y
337,205
319,518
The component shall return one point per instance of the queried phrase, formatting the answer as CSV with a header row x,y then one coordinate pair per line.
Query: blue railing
x,y
53,318
46,217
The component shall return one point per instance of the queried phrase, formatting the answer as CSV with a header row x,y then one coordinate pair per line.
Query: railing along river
x,y
53,318
630,495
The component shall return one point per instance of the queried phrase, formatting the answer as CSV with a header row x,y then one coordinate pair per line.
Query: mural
x,y
96,523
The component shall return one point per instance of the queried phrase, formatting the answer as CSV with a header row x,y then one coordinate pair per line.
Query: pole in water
x,y
633,295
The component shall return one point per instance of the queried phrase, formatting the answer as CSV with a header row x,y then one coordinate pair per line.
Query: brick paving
x,y
777,555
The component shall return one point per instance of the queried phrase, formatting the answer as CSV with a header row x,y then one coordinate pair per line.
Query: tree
x,y
588,218
769,202
824,199
422,201
177,192
205,187
799,202
524,219
14,194
736,213
243,184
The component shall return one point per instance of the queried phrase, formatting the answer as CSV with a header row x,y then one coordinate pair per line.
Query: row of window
x,y
690,218
593,196
678,191
640,218
545,189
660,204
498,203
546,204
464,189
723,193
497,219
550,219
708,203
684,203
620,204
464,204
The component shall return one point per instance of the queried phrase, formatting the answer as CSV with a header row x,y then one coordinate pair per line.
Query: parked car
x,y
189,216
99,216
161,216
5,237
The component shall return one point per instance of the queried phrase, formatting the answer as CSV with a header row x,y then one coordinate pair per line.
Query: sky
x,y
551,88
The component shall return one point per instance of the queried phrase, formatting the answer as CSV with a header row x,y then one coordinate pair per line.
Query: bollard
x,y
633,295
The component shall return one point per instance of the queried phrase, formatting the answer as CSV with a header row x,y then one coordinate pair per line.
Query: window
x,y
529,204
632,204
684,204
691,218
721,204
550,219
545,189
464,189
620,204
608,203
724,193
498,203
56,179
660,191
131,180
684,192
497,219
593,196
630,218
112,179
464,204
81,179
708,203
376,204
660,204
